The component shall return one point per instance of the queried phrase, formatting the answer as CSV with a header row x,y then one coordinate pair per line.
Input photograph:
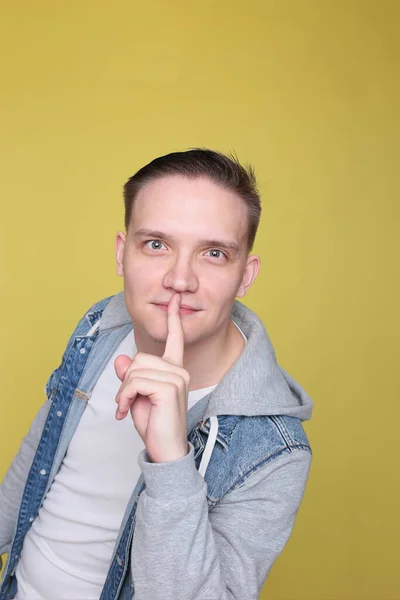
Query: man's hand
x,y
155,391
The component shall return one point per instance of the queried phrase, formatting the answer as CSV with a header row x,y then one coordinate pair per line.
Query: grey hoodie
x,y
180,549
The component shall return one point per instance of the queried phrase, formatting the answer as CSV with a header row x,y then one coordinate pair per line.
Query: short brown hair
x,y
224,170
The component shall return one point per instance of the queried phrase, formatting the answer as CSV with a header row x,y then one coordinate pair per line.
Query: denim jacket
x,y
246,443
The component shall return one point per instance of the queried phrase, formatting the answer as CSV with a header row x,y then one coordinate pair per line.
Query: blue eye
x,y
218,252
155,244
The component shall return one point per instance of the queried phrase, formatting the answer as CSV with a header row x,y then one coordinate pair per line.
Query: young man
x,y
169,460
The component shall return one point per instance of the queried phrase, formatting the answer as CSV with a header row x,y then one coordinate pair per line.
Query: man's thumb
x,y
121,365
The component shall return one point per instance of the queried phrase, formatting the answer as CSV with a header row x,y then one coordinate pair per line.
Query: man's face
x,y
187,236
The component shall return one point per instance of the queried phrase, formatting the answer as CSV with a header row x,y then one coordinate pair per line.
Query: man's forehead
x,y
197,208
199,196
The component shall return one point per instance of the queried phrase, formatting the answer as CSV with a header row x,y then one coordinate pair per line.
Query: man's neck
x,y
208,360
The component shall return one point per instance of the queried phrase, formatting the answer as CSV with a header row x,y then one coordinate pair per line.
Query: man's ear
x,y
250,273
120,239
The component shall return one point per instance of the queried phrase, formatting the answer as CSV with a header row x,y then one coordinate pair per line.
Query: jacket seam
x,y
283,431
113,327
268,460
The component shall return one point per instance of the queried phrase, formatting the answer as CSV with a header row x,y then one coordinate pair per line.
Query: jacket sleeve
x,y
183,551
13,484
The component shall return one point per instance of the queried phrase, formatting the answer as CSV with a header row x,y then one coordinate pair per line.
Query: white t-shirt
x,y
67,552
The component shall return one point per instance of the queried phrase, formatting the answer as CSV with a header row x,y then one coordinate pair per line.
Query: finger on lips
x,y
147,372
174,346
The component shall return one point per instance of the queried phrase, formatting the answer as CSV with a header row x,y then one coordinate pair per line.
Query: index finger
x,y
174,345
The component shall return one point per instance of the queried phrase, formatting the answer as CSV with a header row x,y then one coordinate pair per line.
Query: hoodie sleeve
x,y
183,551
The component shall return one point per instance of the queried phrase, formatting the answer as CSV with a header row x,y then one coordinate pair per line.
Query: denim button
x,y
31,520
59,413
82,350
43,472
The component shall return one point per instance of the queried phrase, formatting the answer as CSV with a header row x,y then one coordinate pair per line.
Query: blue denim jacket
x,y
241,443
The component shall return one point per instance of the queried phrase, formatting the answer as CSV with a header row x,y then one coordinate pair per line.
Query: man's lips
x,y
184,308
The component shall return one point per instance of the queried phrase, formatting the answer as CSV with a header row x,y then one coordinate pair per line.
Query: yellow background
x,y
308,92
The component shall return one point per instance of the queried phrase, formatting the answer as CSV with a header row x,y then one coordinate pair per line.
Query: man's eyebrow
x,y
151,233
232,246
227,245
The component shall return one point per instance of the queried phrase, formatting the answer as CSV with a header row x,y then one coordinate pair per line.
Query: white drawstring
x,y
93,329
212,436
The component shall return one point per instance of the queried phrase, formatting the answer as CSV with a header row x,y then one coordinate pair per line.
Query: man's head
x,y
191,220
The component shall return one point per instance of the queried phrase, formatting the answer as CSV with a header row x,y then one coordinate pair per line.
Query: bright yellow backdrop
x,y
308,91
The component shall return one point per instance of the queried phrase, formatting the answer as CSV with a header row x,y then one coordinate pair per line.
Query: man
x,y
170,460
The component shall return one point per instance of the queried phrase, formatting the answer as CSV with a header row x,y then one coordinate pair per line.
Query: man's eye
x,y
154,244
215,253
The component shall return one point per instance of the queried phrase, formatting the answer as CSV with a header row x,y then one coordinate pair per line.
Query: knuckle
x,y
131,375
185,376
127,374
175,386
181,381
140,358
142,361
170,387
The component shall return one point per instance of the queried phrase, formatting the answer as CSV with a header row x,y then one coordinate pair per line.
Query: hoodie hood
x,y
256,385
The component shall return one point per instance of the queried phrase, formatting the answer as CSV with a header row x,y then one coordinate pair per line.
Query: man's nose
x,y
181,277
